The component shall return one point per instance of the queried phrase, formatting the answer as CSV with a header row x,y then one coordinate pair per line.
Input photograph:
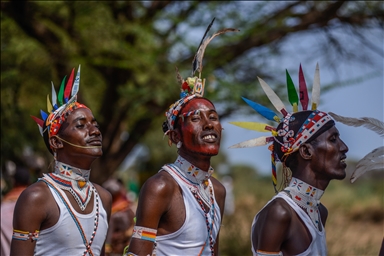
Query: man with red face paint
x,y
64,213
180,208
308,145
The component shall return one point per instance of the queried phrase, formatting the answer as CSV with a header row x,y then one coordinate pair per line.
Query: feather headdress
x,y
373,160
192,86
59,107
290,141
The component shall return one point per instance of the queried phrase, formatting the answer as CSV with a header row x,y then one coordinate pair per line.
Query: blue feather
x,y
264,111
43,115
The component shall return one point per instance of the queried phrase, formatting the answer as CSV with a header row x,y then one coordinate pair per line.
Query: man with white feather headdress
x,y
308,145
180,208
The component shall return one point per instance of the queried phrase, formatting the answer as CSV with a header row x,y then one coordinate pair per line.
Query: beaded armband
x,y
25,235
143,233
264,253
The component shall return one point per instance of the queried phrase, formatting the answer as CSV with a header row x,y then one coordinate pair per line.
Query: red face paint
x,y
201,132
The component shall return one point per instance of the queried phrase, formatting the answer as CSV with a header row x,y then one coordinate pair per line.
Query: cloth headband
x,y
291,142
61,106
193,86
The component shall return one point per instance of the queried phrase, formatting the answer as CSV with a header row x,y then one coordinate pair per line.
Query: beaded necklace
x,y
74,180
201,188
307,197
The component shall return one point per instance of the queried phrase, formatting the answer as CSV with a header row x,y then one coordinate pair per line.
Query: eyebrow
x,y
81,118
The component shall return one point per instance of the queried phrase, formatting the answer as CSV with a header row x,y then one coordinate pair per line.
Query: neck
x,y
200,161
308,175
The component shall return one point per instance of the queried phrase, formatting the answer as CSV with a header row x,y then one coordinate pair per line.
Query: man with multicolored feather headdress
x,y
64,213
180,208
308,145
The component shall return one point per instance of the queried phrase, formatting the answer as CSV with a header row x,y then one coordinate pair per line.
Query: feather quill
x,y
178,77
197,63
76,84
303,90
49,105
275,100
61,92
38,121
368,122
264,111
260,127
316,88
292,93
68,86
54,97
261,141
372,161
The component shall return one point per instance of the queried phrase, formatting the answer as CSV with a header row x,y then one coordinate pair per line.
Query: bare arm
x,y
220,194
34,207
154,200
272,227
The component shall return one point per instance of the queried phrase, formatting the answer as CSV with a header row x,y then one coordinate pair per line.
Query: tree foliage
x,y
129,49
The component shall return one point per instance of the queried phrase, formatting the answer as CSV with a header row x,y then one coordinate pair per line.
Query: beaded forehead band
x,y
291,142
193,86
61,106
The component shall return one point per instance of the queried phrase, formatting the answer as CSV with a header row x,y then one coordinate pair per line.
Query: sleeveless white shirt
x,y
64,237
318,245
193,235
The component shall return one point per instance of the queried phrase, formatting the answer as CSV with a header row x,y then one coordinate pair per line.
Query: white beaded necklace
x,y
74,180
307,197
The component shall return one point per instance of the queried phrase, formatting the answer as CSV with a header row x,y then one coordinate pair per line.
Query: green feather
x,y
292,93
60,96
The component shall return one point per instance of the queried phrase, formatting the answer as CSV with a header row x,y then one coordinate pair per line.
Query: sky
x,y
363,98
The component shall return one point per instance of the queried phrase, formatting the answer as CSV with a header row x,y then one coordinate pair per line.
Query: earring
x,y
54,155
178,145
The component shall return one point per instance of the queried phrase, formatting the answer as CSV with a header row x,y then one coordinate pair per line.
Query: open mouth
x,y
210,138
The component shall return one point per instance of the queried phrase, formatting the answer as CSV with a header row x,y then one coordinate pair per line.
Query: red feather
x,y
68,86
39,121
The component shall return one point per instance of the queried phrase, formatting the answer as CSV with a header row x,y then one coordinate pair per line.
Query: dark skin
x,y
36,208
278,227
161,205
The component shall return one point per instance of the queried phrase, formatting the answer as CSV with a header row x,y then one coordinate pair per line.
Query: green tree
x,y
129,49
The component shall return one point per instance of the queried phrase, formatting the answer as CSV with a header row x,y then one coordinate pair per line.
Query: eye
x,y
79,126
333,138
213,117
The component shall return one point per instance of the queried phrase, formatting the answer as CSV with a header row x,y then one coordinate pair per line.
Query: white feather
x,y
261,141
372,161
316,88
368,122
272,96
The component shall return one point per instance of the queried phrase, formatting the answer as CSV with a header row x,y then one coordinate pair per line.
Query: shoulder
x,y
278,211
159,185
219,188
35,193
323,213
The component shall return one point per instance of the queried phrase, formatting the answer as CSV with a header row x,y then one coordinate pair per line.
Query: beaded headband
x,y
193,86
291,142
62,105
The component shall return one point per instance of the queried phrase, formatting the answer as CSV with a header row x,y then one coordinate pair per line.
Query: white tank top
x,y
64,237
193,235
318,245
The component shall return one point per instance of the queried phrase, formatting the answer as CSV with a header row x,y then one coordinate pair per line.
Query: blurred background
x,y
128,51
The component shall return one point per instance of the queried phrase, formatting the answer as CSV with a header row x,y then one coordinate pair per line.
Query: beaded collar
x,y
74,180
307,197
194,174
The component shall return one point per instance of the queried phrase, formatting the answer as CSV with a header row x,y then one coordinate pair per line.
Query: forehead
x,y
80,113
198,103
329,132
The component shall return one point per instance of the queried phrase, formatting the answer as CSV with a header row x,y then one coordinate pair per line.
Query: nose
x,y
94,130
344,148
207,124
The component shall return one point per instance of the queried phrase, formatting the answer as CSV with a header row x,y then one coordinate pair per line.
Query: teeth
x,y
208,137
342,160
